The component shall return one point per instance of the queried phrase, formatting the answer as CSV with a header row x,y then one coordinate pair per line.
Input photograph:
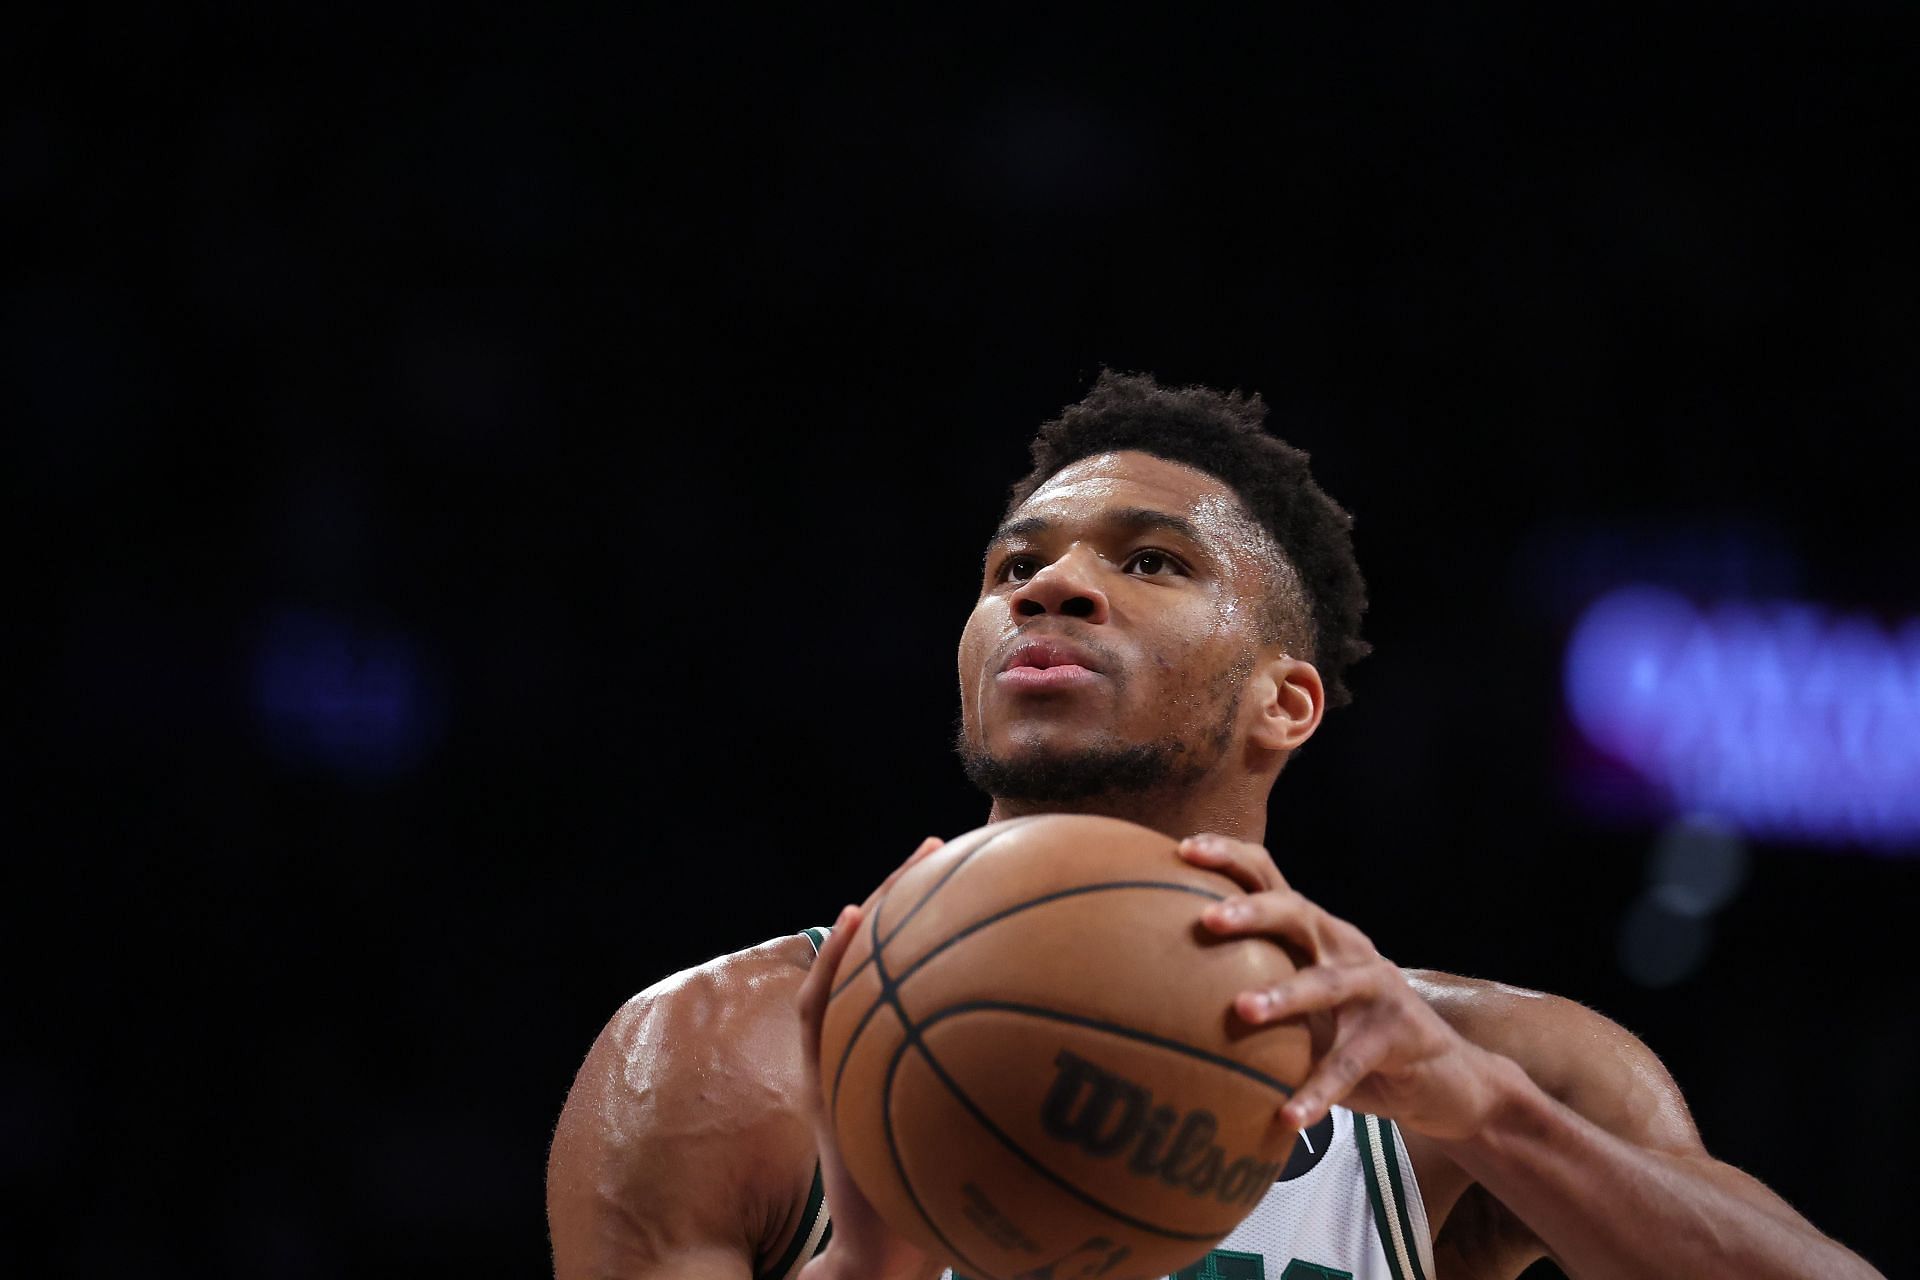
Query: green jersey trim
x,y
1379,1162
808,1239
814,1225
1390,1135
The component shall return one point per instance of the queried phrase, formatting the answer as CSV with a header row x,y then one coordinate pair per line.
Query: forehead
x,y
1082,491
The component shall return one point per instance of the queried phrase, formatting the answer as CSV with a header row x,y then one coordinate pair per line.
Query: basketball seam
x,y
925,898
912,1040
876,944
1112,1028
886,1109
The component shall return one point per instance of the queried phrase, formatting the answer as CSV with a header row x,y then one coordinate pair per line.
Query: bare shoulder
x,y
1584,1060
685,1129
1576,1055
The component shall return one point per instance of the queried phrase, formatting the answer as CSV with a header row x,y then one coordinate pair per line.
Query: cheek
x,y
1197,671
1194,641
974,638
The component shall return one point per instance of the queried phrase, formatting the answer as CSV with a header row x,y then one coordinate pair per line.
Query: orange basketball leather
x,y
1038,1070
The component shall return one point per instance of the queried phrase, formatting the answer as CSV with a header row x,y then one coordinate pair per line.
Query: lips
x,y
1043,655
1047,665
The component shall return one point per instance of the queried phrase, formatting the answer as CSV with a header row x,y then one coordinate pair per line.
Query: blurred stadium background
x,y
499,493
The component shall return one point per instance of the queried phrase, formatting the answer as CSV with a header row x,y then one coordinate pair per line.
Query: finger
x,y
818,983
1348,1063
919,855
1249,865
1282,913
1273,913
1316,989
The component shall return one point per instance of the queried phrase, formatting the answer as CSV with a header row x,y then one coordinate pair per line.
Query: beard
x,y
1106,768
1061,777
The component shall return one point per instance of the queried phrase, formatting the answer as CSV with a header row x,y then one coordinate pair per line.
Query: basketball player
x,y
1167,611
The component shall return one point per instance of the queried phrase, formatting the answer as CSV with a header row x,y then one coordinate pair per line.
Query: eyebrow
x,y
1128,519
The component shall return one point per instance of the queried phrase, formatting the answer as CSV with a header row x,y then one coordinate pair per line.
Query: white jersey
x,y
1346,1207
1355,1212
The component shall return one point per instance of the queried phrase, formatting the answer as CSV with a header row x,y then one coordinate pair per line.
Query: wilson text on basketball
x,y
1110,1117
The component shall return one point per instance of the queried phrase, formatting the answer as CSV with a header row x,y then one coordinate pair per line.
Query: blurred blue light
x,y
1783,719
1699,863
1659,947
342,695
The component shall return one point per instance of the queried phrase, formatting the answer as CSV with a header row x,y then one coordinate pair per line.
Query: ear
x,y
1288,703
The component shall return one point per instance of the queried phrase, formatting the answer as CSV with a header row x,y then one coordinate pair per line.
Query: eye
x,y
1018,568
1153,564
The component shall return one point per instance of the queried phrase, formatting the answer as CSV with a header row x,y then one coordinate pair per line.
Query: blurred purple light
x,y
336,693
1781,718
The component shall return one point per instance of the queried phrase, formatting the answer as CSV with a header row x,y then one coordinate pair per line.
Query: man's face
x,y
1119,619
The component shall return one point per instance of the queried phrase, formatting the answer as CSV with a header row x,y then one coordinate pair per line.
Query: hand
x,y
863,1246
1390,1053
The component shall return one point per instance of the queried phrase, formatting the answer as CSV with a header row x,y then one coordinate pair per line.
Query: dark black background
x,y
654,382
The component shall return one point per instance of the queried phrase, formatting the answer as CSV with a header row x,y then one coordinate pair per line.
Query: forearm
x,y
1607,1208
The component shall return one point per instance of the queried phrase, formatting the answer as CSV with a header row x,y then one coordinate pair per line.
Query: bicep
x,y
622,1206
1578,1057
683,1149
690,1262
1630,1093
1609,1077
609,1226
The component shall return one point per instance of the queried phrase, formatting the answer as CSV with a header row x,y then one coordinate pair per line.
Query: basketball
x,y
1031,1060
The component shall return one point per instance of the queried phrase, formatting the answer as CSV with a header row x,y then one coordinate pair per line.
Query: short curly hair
x,y
1317,608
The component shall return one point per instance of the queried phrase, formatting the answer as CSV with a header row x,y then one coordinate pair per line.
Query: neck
x,y
1240,814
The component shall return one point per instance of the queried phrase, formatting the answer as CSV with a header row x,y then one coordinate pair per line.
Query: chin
x,y
1044,726
1067,769
1025,752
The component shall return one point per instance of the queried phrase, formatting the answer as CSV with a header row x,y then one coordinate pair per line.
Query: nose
x,y
1069,587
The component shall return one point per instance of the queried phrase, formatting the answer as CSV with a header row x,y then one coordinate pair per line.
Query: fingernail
x,y
1234,912
1257,1006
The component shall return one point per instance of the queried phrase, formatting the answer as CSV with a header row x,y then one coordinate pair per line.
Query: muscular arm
x,y
1589,1155
1518,1108
683,1150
